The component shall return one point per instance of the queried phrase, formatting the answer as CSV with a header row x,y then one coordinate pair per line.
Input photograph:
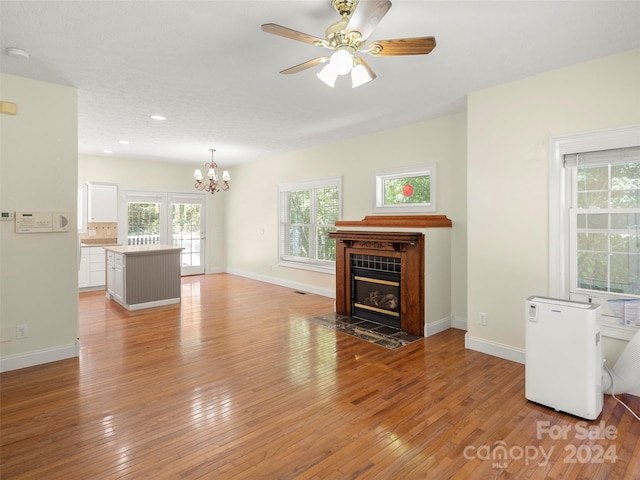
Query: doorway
x,y
176,219
188,232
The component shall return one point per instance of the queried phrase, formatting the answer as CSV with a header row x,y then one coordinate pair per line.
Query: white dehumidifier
x,y
563,356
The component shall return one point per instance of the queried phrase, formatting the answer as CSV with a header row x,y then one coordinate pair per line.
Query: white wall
x,y
252,208
508,157
38,272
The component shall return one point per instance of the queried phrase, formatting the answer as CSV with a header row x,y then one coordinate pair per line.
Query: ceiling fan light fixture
x,y
347,38
328,75
341,61
360,76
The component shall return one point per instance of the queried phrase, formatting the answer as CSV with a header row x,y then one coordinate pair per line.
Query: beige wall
x,y
492,183
144,175
38,272
242,224
252,208
508,157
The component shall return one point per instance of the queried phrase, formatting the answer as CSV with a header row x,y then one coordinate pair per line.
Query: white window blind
x,y
603,157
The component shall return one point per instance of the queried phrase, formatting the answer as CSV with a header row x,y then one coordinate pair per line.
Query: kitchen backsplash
x,y
100,233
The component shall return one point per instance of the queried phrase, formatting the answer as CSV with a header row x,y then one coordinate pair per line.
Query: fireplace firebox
x,y
375,288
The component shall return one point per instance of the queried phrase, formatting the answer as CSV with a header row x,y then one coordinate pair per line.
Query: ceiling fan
x,y
347,37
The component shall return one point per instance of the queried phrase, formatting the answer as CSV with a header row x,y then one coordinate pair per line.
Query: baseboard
x,y
437,326
209,270
303,287
459,323
493,348
37,357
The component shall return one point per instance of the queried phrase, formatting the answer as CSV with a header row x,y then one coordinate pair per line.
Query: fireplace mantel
x,y
398,221
377,240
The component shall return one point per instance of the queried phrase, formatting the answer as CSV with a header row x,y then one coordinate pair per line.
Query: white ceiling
x,y
208,67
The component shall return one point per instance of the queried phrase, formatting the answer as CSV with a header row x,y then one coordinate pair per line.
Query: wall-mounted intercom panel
x,y
31,222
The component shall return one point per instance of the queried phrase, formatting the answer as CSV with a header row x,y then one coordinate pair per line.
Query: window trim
x,y
560,201
322,266
401,172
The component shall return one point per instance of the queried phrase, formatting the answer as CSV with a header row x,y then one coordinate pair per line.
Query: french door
x,y
187,230
177,219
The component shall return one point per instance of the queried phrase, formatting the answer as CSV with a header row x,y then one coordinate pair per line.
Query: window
x,y
143,221
594,213
308,212
405,189
605,221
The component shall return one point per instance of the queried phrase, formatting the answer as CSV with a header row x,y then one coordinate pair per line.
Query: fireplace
x,y
422,250
380,277
375,288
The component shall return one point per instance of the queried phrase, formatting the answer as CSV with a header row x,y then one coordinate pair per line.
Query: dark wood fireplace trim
x,y
397,221
408,246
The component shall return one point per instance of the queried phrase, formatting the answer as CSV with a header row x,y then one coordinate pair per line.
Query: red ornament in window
x,y
407,191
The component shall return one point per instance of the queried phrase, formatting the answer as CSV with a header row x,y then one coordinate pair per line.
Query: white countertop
x,y
101,245
134,249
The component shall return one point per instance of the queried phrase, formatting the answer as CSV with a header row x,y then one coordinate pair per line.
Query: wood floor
x,y
235,383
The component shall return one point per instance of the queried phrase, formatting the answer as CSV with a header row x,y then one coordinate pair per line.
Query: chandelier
x,y
213,185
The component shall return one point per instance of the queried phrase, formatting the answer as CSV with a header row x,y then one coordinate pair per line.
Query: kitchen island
x,y
143,276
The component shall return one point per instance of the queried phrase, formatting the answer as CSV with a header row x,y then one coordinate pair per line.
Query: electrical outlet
x,y
22,331
482,318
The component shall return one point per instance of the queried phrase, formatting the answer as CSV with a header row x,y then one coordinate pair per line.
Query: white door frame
x,y
166,199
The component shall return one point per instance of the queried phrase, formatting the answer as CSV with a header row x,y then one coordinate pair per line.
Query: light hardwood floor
x,y
235,383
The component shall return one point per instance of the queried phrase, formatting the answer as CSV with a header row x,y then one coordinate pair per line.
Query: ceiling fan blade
x,y
367,15
403,46
292,34
305,65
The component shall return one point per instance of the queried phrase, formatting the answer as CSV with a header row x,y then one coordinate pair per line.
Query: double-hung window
x,y
308,212
605,222
594,219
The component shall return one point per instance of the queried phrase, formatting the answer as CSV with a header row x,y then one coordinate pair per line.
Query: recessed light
x,y
107,151
158,117
17,52
124,142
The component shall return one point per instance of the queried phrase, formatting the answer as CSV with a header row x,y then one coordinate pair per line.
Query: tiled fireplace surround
x,y
419,243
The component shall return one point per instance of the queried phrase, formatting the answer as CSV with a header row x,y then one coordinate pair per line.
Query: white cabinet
x,y
111,275
103,203
84,274
115,276
97,267
92,268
